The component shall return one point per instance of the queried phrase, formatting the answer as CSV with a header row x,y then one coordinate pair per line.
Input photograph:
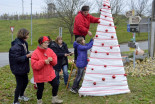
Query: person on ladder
x,y
81,60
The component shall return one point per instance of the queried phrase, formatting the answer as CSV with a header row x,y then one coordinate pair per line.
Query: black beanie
x,y
85,8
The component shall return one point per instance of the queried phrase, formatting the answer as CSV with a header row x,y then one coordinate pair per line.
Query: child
x,y
81,62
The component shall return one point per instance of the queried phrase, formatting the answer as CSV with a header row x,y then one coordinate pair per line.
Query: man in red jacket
x,y
82,24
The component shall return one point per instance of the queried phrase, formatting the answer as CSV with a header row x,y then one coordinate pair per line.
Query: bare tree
x,y
5,16
66,10
149,9
117,6
99,4
140,6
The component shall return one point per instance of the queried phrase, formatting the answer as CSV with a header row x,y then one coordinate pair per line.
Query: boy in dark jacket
x,y
19,63
81,62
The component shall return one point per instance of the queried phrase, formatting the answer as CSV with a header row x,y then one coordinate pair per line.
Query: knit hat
x,y
85,8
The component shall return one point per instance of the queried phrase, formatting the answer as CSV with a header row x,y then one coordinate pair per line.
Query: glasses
x,y
46,43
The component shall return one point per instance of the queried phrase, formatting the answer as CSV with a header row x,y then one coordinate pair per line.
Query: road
x,y
4,60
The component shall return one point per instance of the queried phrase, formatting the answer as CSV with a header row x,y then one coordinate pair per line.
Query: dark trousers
x,y
78,78
22,81
40,89
75,49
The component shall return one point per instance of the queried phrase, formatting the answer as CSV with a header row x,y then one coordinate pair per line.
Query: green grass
x,y
142,92
45,27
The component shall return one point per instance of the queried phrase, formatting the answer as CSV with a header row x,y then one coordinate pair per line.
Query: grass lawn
x,y
142,92
50,27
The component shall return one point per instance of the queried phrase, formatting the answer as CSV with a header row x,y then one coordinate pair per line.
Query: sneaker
x,y
39,101
56,100
72,90
24,98
16,103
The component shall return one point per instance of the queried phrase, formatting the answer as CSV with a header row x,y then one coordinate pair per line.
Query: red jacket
x,y
82,23
43,72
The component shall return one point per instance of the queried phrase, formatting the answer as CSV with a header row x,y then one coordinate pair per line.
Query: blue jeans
x,y
78,78
65,74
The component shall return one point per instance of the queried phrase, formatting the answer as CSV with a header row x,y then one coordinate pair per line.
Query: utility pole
x,y
152,43
31,22
22,7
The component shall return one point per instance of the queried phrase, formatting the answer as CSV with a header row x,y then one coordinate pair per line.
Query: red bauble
x,y
105,66
125,74
113,76
92,68
119,45
110,24
95,51
94,83
112,37
100,9
103,79
108,6
88,60
115,27
102,44
107,53
105,16
106,30
110,47
104,5
96,35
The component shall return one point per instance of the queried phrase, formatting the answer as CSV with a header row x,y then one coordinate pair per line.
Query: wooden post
x,y
72,66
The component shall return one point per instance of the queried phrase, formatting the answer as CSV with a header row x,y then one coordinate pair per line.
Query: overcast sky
x,y
15,6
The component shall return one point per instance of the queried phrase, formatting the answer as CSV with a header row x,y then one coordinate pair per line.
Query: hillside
x,y
50,27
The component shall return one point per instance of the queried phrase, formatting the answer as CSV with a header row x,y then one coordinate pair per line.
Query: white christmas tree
x,y
105,73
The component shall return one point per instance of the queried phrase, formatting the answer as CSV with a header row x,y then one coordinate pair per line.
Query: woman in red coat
x,y
82,24
42,61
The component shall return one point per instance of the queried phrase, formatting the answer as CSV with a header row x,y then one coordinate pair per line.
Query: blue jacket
x,y
82,53
19,63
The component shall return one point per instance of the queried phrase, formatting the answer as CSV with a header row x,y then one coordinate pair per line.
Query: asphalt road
x,y
4,60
